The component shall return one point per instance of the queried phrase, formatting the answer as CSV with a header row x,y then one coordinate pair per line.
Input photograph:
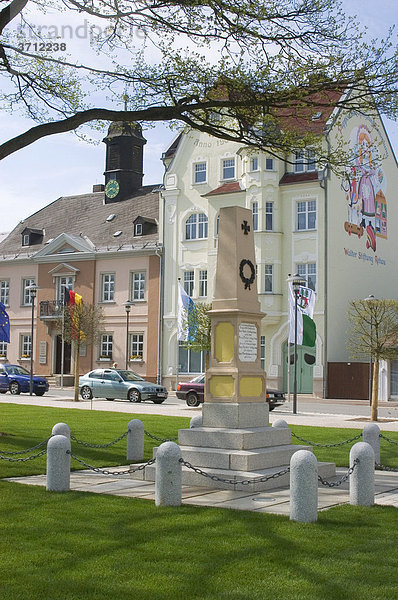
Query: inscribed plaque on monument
x,y
247,342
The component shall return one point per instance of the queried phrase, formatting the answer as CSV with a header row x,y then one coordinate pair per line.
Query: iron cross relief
x,y
245,227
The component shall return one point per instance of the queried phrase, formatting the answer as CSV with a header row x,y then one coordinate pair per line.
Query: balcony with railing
x,y
50,309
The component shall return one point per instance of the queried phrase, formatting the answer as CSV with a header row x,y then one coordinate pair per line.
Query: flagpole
x,y
177,340
62,346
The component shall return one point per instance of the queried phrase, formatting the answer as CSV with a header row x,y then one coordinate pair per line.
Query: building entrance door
x,y
58,355
305,367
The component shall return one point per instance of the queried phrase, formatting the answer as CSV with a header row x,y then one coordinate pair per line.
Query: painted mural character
x,y
362,185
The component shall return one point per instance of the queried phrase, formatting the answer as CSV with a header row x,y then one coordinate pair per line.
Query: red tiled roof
x,y
298,177
302,118
226,188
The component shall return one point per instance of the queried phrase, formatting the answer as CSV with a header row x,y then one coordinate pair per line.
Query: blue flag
x,y
4,324
187,325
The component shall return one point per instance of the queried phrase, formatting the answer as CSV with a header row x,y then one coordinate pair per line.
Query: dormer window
x,y
138,229
30,236
144,226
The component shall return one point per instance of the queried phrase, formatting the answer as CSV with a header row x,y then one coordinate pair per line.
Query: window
x,y
262,352
26,294
138,286
106,345
304,161
269,278
200,172
61,285
189,282
26,239
269,216
5,292
26,346
136,346
217,224
196,227
255,216
306,215
108,287
202,283
3,349
269,164
190,361
254,163
308,272
138,229
228,168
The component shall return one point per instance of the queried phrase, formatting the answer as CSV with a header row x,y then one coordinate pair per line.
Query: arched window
x,y
196,227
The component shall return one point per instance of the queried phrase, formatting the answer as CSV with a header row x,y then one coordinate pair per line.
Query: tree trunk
x,y
375,391
76,370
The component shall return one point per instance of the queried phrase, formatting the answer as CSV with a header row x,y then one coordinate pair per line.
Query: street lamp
x,y
127,305
296,281
32,291
370,298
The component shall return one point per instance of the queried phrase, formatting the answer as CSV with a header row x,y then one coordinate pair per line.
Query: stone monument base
x,y
236,443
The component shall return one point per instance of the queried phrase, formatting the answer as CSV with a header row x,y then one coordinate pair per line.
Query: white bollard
x,y
58,464
195,422
303,487
61,429
135,440
280,423
371,435
168,475
362,480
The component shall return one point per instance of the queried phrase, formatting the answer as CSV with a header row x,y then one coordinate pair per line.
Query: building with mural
x,y
335,230
103,245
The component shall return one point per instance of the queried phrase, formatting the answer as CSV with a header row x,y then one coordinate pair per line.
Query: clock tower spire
x,y
124,160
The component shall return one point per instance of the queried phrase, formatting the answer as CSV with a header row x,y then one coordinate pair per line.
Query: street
x,y
310,411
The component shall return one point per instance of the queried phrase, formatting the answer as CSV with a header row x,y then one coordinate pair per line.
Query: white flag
x,y
305,306
186,322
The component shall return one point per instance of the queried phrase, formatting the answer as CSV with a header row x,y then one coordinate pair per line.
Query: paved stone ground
x,y
275,501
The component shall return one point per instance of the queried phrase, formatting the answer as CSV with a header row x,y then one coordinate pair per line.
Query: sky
x,y
63,164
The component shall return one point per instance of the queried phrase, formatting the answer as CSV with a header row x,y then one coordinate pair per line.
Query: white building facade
x,y
333,230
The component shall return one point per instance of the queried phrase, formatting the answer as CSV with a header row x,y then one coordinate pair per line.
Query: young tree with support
x,y
374,335
83,324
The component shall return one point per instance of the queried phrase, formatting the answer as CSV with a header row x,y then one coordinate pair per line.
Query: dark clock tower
x,y
124,160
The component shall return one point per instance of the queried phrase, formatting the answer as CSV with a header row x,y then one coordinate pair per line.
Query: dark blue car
x,y
17,380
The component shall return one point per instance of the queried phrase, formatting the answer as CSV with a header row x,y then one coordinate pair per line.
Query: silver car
x,y
121,384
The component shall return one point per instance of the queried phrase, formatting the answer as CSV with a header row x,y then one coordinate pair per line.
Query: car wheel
x,y
14,388
3,391
158,400
192,400
134,396
86,393
39,393
109,399
271,406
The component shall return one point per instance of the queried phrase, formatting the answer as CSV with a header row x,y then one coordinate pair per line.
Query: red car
x,y
193,393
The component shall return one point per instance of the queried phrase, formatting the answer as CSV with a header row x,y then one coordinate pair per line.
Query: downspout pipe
x,y
324,185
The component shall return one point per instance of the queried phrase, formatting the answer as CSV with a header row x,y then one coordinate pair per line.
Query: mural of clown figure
x,y
364,186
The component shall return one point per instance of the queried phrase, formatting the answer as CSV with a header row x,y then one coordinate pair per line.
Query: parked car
x,y
193,393
120,384
16,379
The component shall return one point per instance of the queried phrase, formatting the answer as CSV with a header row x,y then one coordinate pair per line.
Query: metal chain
x,y
4,453
332,484
153,437
234,481
105,472
327,445
385,468
88,445
384,437
23,459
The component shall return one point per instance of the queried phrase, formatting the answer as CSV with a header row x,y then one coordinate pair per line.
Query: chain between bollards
x,y
327,445
332,484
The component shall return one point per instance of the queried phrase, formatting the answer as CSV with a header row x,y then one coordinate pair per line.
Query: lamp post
x,y
369,299
32,291
296,281
127,305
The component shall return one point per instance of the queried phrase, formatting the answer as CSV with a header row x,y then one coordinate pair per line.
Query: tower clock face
x,y
112,188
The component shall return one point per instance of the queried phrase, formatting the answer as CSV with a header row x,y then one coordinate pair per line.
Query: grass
x,y
85,546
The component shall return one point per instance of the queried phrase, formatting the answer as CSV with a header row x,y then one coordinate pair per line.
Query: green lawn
x,y
81,546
